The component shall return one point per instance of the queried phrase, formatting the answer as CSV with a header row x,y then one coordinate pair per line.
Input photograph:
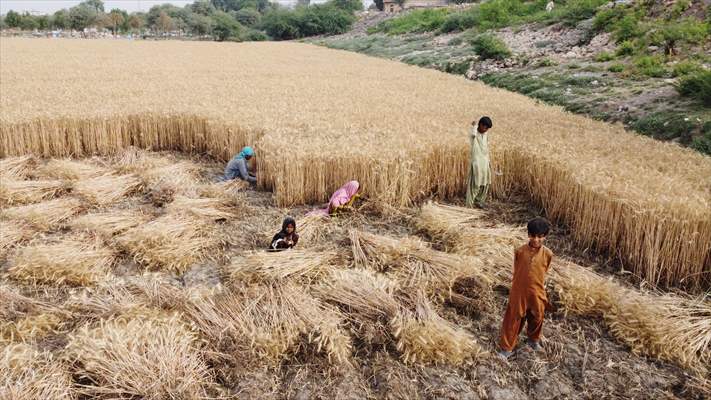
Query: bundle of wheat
x,y
202,208
670,327
12,234
172,242
29,329
24,319
107,189
229,189
26,192
68,169
47,215
267,323
458,229
109,223
425,337
414,264
166,182
17,167
312,230
28,374
69,261
305,266
366,296
147,357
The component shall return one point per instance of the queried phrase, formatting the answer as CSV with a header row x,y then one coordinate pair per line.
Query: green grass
x,y
617,68
490,47
416,21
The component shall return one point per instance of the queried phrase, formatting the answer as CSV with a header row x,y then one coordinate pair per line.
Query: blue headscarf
x,y
246,152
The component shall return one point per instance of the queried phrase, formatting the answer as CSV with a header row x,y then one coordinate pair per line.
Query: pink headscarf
x,y
339,197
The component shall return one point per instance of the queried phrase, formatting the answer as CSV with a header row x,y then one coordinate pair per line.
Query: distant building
x,y
393,6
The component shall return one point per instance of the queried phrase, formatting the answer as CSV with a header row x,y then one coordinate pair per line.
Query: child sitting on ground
x,y
287,237
527,298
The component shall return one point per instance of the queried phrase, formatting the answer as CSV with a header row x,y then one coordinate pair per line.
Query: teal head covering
x,y
246,152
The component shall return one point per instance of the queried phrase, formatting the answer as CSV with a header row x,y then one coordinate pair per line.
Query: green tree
x,y
136,22
349,5
117,19
164,23
226,27
203,7
82,16
96,5
60,19
200,24
43,22
248,16
13,19
28,22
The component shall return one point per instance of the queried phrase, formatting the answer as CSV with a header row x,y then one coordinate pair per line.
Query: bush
x,y
616,68
697,86
626,48
460,21
546,62
494,14
253,35
490,47
347,5
665,125
627,28
605,19
703,143
604,57
426,20
686,68
575,11
321,19
652,66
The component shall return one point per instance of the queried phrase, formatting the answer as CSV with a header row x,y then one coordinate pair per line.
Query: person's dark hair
x,y
486,121
538,226
288,221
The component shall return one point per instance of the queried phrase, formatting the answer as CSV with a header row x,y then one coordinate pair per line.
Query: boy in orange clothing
x,y
527,298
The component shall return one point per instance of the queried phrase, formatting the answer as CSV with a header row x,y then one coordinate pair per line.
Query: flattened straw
x,y
172,242
203,208
109,223
46,215
68,169
305,266
70,261
423,336
107,189
16,167
147,357
14,192
30,374
12,234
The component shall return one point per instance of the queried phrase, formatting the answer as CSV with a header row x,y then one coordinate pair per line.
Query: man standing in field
x,y
479,171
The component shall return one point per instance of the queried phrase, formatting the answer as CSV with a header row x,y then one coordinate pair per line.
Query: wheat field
x,y
319,117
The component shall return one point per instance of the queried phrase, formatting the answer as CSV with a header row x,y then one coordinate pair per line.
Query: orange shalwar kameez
x,y
527,298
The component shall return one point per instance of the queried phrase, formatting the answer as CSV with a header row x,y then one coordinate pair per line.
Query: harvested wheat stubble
x,y
109,223
306,266
29,329
202,208
24,319
147,357
425,337
14,192
107,189
134,161
16,167
68,169
28,374
268,322
69,261
669,327
12,234
47,215
229,189
620,192
172,242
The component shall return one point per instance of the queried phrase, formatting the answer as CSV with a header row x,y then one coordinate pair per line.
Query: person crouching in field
x,y
527,298
341,200
238,167
479,170
287,237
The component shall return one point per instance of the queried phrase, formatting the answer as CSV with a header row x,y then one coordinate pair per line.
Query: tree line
x,y
236,20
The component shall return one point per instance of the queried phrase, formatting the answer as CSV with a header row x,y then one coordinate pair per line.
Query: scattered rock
x,y
652,48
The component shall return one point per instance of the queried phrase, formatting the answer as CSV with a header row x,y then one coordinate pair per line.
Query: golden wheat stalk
x,y
28,373
47,215
13,192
